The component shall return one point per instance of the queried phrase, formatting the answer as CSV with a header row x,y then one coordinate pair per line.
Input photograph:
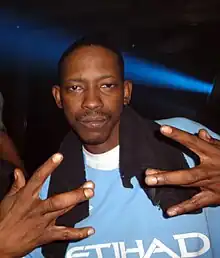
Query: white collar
x,y
105,161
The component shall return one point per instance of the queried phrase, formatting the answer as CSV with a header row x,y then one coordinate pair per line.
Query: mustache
x,y
93,116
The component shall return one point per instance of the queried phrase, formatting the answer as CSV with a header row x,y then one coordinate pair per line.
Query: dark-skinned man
x,y
112,146
15,242
20,242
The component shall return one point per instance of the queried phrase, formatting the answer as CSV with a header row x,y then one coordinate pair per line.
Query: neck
x,y
108,145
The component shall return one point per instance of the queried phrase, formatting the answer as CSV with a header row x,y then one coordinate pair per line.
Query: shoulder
x,y
187,125
6,177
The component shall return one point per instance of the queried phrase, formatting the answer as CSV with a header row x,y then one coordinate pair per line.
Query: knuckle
x,y
77,196
66,235
80,234
49,204
196,203
163,179
194,177
38,177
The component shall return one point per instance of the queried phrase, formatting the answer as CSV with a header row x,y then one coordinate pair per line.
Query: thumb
x,y
19,182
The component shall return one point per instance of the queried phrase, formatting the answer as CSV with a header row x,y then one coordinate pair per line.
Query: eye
x,y
75,88
108,86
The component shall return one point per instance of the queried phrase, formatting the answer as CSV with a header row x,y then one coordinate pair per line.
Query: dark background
x,y
181,35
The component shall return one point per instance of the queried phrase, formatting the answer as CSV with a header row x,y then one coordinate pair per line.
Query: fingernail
x,y
166,129
150,171
172,212
88,184
15,175
57,158
88,193
208,136
151,180
91,231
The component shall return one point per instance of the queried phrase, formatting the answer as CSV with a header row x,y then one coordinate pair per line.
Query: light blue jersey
x,y
128,225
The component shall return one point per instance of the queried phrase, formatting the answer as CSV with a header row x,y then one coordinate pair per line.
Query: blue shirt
x,y
128,225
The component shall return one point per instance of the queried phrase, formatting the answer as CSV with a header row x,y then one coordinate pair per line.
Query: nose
x,y
92,100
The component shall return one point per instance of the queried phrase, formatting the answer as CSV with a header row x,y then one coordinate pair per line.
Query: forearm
x,y
8,151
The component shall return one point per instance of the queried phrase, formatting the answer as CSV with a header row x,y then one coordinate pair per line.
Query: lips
x,y
94,122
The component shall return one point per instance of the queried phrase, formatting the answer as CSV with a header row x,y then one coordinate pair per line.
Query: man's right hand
x,y
26,221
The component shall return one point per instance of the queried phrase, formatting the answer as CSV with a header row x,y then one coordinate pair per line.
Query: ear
x,y
57,96
127,92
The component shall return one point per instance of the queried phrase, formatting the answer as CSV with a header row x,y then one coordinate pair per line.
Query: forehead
x,y
91,59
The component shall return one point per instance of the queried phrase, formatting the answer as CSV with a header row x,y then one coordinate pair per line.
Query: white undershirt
x,y
104,161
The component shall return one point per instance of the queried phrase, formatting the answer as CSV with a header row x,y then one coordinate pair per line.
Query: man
x,y
27,221
9,158
103,148
8,150
17,219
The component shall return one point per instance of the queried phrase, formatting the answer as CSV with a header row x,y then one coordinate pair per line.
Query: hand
x,y
26,221
206,175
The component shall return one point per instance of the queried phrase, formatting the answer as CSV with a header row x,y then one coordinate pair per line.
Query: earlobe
x,y
126,101
56,95
127,92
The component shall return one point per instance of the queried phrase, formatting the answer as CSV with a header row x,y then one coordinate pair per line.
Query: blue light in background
x,y
142,72
20,42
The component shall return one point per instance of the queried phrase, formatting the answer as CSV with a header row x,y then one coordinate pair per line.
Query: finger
x,y
203,134
215,186
200,200
56,214
88,184
192,142
40,176
18,183
178,177
59,233
63,201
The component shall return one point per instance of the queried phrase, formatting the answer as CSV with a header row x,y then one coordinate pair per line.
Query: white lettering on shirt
x,y
158,247
182,244
139,249
121,250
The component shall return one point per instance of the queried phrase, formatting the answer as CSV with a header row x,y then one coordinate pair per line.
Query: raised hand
x,y
26,221
206,175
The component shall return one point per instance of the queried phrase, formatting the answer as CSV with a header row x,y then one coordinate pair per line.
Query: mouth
x,y
94,124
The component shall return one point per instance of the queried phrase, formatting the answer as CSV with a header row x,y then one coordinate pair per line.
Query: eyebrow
x,y
98,79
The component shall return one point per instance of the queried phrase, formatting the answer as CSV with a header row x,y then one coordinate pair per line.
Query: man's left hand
x,y
206,175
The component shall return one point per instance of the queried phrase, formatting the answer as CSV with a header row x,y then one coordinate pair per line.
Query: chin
x,y
94,139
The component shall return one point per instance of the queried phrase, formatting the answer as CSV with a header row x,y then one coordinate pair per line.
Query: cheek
x,y
118,103
115,103
70,107
116,109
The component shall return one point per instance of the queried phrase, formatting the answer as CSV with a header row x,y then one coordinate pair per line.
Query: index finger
x,y
191,141
42,173
65,200
178,177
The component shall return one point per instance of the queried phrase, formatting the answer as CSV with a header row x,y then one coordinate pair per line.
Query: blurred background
x,y
171,49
